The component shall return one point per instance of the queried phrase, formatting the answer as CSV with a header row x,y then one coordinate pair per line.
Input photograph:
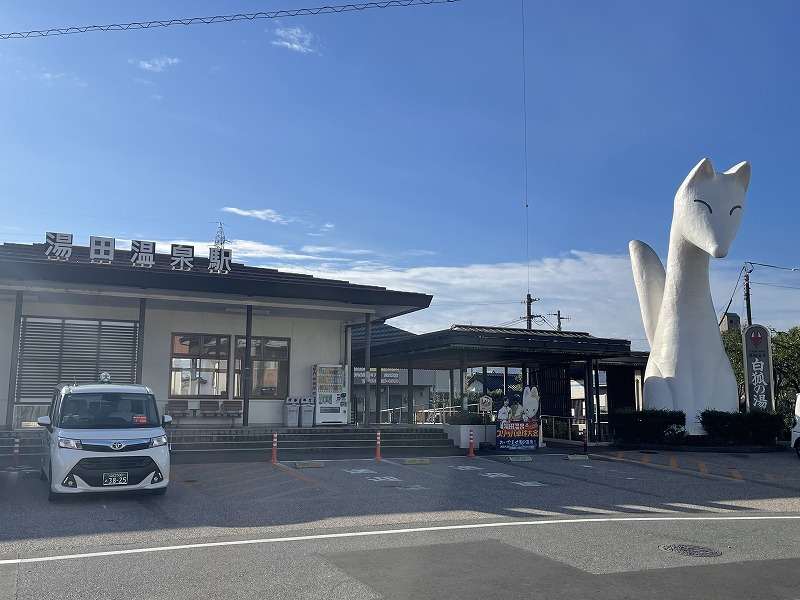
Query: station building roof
x,y
27,268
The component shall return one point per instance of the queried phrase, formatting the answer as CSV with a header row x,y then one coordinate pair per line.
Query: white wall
x,y
312,342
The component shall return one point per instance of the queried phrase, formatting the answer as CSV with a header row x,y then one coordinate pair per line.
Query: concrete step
x,y
259,439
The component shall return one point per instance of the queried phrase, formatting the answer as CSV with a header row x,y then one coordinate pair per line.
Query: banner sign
x,y
757,348
388,376
518,423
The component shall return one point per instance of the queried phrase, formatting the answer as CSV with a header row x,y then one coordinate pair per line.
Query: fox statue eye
x,y
708,206
739,206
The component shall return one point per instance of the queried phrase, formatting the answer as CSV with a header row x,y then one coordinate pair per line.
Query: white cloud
x,y
331,250
62,78
596,292
298,39
264,214
156,65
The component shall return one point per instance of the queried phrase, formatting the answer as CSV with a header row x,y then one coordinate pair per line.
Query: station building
x,y
179,323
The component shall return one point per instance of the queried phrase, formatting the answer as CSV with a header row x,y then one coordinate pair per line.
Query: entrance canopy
x,y
475,346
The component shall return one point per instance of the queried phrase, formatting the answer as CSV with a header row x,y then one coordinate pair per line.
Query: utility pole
x,y
747,296
528,315
559,318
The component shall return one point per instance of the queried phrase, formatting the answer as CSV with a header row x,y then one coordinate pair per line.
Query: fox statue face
x,y
708,206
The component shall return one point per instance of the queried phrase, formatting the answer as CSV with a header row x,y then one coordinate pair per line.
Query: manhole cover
x,y
689,550
190,481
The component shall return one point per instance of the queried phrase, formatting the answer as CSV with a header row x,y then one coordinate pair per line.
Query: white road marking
x,y
356,534
640,508
589,509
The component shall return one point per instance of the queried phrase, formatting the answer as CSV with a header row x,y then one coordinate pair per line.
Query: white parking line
x,y
382,532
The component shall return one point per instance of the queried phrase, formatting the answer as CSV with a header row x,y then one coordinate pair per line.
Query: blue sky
x,y
388,146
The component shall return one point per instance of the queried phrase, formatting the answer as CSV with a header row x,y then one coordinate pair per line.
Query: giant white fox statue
x,y
688,369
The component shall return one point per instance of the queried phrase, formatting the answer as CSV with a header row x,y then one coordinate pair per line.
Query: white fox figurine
x,y
688,369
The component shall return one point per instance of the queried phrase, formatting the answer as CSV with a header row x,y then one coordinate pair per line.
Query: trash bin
x,y
306,412
291,412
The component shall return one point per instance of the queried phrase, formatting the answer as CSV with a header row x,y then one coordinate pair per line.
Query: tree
x,y
732,340
785,368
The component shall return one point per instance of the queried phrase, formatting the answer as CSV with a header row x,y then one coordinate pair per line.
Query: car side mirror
x,y
166,419
45,422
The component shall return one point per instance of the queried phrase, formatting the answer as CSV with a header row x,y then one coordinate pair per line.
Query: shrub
x,y
726,428
648,426
465,418
555,428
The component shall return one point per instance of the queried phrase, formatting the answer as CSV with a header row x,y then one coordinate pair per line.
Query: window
x,y
270,367
199,365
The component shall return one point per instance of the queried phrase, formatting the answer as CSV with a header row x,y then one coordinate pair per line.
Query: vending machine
x,y
329,388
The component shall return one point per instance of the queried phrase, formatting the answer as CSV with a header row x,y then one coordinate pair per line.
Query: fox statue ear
x,y
741,173
703,171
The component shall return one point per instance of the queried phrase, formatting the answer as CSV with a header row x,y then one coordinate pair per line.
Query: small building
x,y
178,323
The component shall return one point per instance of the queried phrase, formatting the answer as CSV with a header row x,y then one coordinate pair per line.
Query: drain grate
x,y
689,550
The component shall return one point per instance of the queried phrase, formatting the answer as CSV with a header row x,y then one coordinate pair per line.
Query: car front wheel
x,y
51,495
797,448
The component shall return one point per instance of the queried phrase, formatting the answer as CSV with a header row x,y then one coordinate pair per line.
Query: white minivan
x,y
104,437
796,427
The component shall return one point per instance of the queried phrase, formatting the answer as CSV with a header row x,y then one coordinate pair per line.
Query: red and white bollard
x,y
378,447
471,453
274,458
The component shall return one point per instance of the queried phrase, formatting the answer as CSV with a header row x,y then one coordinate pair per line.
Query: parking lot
x,y
362,527
342,493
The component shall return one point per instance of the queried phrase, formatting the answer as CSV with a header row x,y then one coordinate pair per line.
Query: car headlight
x,y
160,440
68,443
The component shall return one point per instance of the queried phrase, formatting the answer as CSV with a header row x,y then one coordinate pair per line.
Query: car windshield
x,y
108,411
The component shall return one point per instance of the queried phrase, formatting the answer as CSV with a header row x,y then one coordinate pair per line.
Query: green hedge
x,y
558,429
648,426
465,418
726,428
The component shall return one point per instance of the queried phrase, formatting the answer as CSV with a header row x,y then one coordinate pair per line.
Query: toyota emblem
x,y
117,446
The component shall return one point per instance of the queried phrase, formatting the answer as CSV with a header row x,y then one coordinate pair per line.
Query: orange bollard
x,y
471,444
274,458
15,456
378,447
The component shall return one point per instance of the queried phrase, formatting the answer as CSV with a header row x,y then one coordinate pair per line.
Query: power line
x,y
772,266
220,19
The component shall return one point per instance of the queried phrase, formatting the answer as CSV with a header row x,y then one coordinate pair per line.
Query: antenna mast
x,y
219,238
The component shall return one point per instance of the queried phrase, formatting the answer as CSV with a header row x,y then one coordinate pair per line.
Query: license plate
x,y
115,479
